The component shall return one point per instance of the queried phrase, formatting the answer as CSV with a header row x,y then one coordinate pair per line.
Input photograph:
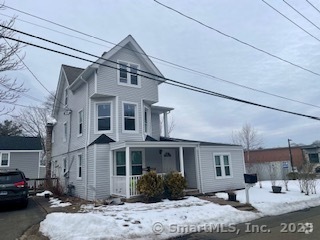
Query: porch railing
x,y
119,185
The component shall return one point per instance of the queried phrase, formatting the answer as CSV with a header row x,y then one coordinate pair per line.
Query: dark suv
x,y
13,187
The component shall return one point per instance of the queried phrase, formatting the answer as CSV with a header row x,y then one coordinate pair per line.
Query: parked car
x,y
13,187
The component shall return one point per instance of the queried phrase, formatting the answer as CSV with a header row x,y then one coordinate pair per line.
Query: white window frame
x,y
136,118
96,117
79,166
65,164
142,160
223,173
80,122
1,153
115,166
66,97
129,84
65,131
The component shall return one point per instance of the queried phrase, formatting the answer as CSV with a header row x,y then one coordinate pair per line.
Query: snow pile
x,y
44,193
269,203
140,221
55,202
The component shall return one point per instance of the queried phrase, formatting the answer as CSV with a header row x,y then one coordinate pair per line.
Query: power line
x,y
301,14
313,6
20,105
171,82
92,55
159,59
297,25
238,40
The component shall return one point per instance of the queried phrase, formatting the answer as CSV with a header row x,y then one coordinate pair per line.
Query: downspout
x,y
86,139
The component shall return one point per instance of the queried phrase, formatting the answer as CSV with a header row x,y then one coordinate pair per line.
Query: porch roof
x,y
152,144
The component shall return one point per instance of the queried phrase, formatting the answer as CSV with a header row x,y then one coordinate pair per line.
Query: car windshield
x,y
7,178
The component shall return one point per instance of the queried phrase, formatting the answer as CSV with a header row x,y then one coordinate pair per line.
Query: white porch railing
x,y
119,185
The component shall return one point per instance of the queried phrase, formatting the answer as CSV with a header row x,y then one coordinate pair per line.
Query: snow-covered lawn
x,y
55,202
170,218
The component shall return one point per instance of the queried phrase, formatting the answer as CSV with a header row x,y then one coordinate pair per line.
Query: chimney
x,y
48,144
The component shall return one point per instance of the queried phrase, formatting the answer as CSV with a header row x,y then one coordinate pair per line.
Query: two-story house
x,y
108,131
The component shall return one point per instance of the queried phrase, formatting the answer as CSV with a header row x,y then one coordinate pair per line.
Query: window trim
x,y
115,163
223,173
79,156
96,131
65,131
136,117
5,152
82,123
143,161
146,128
128,84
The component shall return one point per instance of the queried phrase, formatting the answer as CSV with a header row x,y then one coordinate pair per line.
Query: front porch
x,y
130,160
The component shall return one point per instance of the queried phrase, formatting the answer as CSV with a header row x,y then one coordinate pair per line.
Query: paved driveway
x,y
14,221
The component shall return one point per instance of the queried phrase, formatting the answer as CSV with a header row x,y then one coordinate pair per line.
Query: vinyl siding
x,y
28,162
209,181
91,174
155,121
102,171
153,159
190,167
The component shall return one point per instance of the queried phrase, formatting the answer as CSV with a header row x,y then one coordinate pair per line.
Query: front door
x,y
169,160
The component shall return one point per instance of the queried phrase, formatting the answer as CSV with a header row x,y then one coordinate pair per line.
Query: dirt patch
x,y
33,234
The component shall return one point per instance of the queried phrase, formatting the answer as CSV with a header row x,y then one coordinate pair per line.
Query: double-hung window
x,y
4,157
146,120
136,163
222,165
314,157
129,116
128,73
104,116
80,122
79,167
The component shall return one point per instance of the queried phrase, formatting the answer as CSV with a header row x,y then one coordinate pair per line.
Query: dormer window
x,y
128,74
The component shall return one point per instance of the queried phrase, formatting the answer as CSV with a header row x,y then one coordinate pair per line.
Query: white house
x,y
108,131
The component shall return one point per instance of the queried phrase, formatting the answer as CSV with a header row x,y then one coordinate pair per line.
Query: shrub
x,y
174,184
151,186
293,175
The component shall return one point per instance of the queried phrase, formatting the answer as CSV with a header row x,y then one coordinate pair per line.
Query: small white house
x,y
108,131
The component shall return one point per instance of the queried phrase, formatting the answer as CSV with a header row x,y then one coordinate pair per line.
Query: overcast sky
x,y
166,35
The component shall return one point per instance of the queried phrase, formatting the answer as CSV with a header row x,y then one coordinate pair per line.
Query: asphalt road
x,y
14,221
289,226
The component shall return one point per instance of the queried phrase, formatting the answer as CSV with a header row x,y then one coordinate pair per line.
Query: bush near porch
x,y
154,187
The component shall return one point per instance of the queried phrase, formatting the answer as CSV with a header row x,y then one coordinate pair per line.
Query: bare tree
x,y
10,89
171,126
249,138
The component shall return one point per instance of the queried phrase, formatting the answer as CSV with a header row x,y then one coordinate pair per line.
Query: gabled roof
x,y
166,139
72,72
102,139
20,143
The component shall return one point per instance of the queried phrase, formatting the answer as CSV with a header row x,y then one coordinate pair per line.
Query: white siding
x,y
102,171
155,121
209,181
190,167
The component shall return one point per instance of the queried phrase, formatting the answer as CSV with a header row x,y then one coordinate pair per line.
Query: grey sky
x,y
167,35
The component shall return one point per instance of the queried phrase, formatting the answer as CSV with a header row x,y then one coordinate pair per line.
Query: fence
x,y
37,185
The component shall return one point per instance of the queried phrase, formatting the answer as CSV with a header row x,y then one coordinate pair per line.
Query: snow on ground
x,y
44,193
269,203
55,202
170,218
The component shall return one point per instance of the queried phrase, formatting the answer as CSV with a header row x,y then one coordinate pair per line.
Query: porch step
x,y
192,192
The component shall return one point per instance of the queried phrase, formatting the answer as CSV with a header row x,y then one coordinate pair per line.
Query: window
x,y
129,116
66,97
128,73
222,166
80,122
65,132
104,116
65,164
146,120
121,163
136,163
79,166
314,157
4,159
52,136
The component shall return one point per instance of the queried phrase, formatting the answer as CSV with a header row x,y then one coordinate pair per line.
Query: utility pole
x,y
289,140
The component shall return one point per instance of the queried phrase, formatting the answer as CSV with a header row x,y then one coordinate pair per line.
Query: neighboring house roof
x,y
312,146
166,139
102,139
20,143
276,155
72,72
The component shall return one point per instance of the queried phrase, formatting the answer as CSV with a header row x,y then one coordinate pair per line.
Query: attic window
x,y
128,74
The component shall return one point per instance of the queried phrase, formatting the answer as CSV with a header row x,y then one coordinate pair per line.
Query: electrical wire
x,y
171,82
313,6
171,64
238,40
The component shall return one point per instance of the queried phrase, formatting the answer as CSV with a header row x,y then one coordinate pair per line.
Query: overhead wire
x,y
168,81
313,6
171,64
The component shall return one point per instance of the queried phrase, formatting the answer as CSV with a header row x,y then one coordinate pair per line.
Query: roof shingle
x,y
20,143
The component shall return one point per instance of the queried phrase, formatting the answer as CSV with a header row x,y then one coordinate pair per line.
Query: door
x,y
169,160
